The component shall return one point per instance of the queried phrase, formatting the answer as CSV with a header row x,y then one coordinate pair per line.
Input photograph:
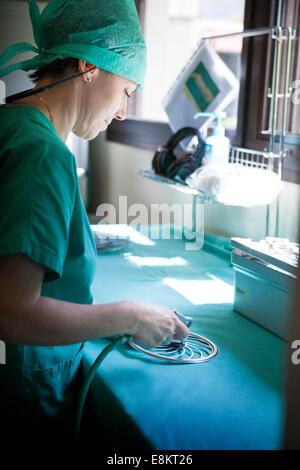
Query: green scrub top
x,y
43,216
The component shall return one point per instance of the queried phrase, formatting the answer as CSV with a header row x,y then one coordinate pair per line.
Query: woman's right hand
x,y
153,324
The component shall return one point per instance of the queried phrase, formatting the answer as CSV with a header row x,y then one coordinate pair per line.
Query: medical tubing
x,y
86,384
26,93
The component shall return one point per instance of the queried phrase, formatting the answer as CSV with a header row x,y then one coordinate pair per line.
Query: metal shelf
x,y
246,157
183,188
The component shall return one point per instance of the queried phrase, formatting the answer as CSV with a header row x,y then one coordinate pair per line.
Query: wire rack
x,y
237,155
254,159
264,160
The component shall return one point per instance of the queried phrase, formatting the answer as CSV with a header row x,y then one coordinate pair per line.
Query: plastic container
x,y
217,145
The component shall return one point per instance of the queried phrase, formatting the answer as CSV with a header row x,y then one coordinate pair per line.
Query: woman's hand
x,y
153,324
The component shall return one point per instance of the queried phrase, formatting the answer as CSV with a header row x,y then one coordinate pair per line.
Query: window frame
x,y
148,134
253,90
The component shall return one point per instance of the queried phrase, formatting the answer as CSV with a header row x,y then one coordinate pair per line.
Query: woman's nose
x,y
121,113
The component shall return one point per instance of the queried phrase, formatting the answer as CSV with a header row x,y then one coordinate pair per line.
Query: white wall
x,y
15,26
115,172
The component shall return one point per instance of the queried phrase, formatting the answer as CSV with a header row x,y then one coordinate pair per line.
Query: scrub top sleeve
x,y
39,183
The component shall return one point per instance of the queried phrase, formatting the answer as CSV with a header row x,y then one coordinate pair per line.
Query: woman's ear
x,y
83,66
87,68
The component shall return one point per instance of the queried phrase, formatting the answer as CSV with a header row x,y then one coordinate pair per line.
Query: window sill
x,y
144,133
141,133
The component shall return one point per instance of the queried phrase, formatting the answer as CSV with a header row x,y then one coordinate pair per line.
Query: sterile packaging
x,y
236,185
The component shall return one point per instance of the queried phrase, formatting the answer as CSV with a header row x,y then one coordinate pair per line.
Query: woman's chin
x,y
89,134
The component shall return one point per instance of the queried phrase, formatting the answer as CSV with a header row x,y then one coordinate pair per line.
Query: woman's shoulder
x,y
26,131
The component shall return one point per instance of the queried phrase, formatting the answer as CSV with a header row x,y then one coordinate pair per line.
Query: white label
x,y
2,352
2,92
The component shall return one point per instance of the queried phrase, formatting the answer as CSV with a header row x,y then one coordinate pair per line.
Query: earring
x,y
89,79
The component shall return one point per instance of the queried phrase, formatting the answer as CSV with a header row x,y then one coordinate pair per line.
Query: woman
x,y
47,251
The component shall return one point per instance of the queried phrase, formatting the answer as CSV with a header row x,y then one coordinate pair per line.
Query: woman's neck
x,y
59,104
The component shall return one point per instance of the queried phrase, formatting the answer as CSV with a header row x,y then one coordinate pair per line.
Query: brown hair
x,y
58,67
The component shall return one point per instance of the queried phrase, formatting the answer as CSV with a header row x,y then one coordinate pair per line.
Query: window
x,y
172,29
172,32
258,62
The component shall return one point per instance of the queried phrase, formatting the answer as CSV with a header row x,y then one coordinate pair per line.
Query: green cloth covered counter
x,y
234,401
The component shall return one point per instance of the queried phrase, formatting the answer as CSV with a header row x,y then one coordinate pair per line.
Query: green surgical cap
x,y
105,33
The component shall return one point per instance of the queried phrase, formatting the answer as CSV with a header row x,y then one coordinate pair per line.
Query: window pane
x,y
172,29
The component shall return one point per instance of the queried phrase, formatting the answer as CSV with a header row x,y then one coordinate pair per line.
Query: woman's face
x,y
102,100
